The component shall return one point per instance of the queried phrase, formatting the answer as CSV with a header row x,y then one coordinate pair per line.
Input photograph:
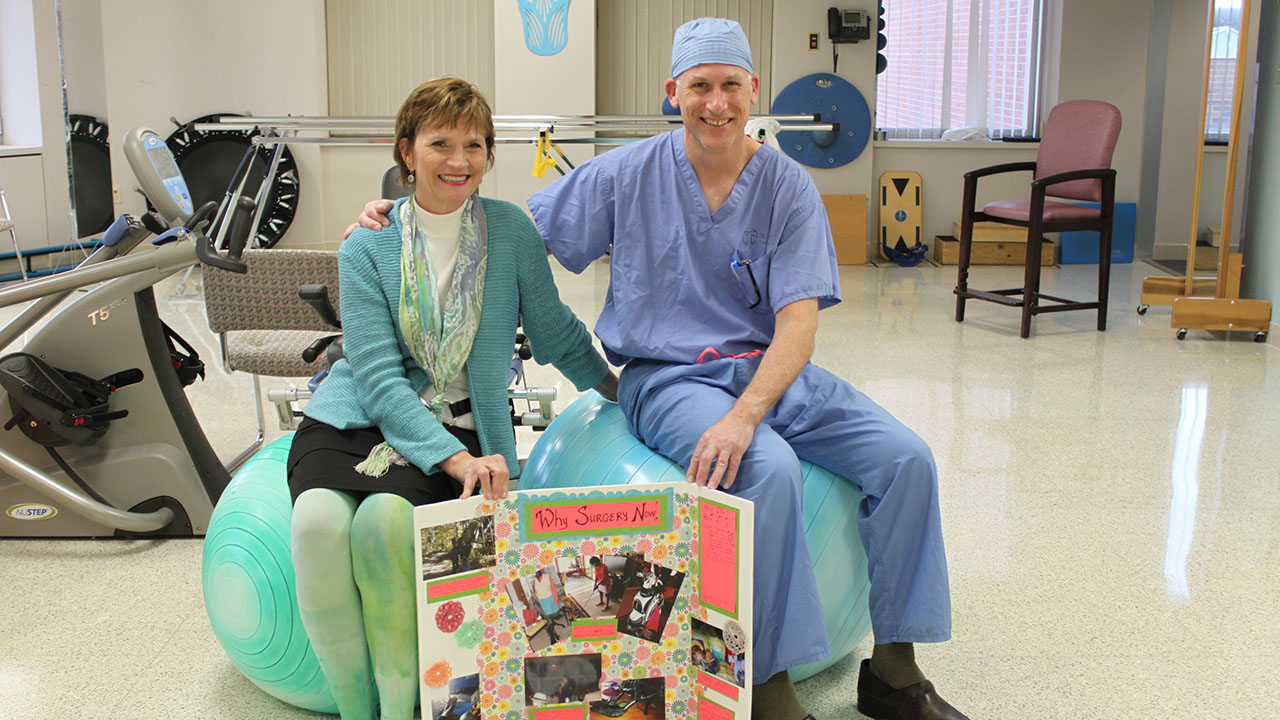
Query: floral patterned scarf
x,y
439,333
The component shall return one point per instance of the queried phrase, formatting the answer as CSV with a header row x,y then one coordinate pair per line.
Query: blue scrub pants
x,y
824,420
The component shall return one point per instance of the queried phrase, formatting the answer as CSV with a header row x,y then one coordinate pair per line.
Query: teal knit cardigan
x,y
378,382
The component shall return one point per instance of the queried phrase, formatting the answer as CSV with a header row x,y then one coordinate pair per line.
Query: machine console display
x,y
158,174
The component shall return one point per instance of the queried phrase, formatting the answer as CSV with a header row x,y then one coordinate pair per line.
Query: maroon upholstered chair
x,y
1074,162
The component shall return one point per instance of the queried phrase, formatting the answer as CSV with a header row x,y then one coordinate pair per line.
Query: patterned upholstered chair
x,y
1074,162
262,323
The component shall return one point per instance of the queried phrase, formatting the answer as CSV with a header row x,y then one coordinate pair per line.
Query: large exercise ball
x,y
588,444
249,584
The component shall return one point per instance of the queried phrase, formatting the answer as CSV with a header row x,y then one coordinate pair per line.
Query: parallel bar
x,y
170,256
387,140
619,127
390,120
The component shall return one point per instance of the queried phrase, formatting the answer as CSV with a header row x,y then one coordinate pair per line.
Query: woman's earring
x,y
410,178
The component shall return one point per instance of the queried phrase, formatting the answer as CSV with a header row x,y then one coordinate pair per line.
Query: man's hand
x,y
608,387
725,442
719,452
374,217
489,472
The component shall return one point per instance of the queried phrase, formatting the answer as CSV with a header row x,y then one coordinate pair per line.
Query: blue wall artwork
x,y
546,25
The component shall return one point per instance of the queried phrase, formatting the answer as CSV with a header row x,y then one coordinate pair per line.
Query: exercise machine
x,y
99,439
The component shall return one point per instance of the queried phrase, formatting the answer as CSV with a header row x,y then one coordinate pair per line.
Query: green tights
x,y
354,569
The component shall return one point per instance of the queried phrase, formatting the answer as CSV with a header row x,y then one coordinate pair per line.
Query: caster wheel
x,y
1260,337
1142,309
1182,334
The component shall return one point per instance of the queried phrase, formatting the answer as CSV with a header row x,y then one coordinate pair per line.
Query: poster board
x,y
587,604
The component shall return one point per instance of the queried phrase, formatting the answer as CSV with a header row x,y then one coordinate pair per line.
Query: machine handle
x,y
204,246
238,232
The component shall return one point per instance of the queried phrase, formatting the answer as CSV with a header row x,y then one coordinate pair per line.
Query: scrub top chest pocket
x,y
750,266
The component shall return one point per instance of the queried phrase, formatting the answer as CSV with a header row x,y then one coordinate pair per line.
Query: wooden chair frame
x,y
1029,294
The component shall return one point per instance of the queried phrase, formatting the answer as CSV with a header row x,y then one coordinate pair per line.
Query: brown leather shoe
x,y
876,699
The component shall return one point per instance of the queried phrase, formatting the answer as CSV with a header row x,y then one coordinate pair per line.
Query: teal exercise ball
x,y
249,584
588,444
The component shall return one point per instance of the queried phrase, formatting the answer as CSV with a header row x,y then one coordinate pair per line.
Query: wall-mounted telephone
x,y
847,26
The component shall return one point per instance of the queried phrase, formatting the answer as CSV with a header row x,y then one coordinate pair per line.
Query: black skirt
x,y
323,456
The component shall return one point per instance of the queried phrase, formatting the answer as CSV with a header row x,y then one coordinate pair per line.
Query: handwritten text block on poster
x,y
604,629
718,556
565,712
594,514
728,690
456,587
708,710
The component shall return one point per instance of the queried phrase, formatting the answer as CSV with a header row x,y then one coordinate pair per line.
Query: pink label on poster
x,y
708,710
460,586
595,629
718,556
727,689
595,517
574,712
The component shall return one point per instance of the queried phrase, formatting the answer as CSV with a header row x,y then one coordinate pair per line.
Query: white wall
x,y
1262,231
19,90
193,58
530,84
1180,142
1097,37
792,23
21,170
54,155
82,57
270,59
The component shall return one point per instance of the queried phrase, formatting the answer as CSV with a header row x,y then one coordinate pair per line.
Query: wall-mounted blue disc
x,y
835,100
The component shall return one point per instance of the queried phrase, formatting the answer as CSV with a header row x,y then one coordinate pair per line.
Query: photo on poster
x,y
641,699
648,593
709,653
546,611
457,547
460,700
595,582
562,679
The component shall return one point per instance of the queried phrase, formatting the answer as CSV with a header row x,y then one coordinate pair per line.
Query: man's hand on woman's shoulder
x,y
374,217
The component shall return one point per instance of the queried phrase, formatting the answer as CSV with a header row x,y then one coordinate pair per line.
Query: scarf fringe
x,y
380,460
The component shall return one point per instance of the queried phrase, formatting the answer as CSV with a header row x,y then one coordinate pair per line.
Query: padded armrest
x,y
317,296
1089,174
1002,168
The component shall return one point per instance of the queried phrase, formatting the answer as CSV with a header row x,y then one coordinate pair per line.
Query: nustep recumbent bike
x,y
99,439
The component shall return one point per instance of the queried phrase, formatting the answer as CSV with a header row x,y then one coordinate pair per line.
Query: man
x,y
722,249
721,258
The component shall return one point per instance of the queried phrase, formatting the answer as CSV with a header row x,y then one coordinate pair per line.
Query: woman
x,y
602,581
417,411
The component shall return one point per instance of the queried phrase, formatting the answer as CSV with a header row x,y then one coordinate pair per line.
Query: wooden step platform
x,y
946,251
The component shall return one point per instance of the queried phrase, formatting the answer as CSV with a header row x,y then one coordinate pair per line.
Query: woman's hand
x,y
608,387
374,217
489,472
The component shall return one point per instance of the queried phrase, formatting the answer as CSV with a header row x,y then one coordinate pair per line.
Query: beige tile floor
x,y
1110,503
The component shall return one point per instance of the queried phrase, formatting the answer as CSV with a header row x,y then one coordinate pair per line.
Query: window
x,y
1224,44
960,63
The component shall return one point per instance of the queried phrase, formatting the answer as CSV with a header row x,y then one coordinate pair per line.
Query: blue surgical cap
x,y
709,41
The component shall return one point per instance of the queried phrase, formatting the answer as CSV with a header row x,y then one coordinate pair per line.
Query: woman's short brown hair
x,y
442,103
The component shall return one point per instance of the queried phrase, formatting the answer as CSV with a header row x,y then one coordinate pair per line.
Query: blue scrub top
x,y
681,278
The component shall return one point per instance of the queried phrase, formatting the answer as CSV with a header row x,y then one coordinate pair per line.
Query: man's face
x,y
714,101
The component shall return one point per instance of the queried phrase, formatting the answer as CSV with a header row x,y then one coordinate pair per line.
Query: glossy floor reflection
x,y
1109,502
